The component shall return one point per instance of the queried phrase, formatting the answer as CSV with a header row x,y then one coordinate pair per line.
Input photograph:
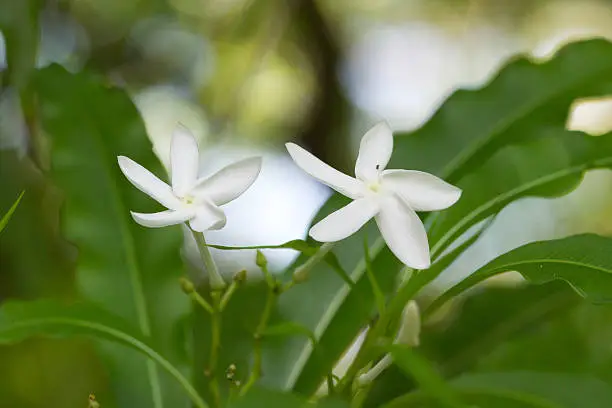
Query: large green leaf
x,y
129,270
21,320
524,102
522,390
584,261
546,167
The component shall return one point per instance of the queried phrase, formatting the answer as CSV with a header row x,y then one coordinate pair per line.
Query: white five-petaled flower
x,y
390,196
190,198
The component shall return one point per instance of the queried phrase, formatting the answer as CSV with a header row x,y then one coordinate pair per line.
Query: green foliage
x,y
522,390
6,217
475,135
128,270
584,261
20,320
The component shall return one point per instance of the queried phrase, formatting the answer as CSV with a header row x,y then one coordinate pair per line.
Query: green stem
x,y
273,291
301,273
228,295
214,348
216,281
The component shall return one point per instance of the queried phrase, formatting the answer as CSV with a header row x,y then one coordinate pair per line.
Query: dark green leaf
x,y
129,270
584,261
21,320
425,375
6,217
523,390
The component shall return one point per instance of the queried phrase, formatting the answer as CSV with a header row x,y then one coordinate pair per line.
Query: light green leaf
x,y
6,217
583,261
288,329
125,268
524,102
21,320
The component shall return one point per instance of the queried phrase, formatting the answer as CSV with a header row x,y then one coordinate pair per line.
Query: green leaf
x,y
524,390
5,219
297,244
425,375
21,320
125,268
288,329
262,397
583,261
546,167
525,101
477,326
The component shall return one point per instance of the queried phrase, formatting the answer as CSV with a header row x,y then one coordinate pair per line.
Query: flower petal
x,y
208,217
421,191
345,221
184,159
374,152
229,182
161,219
404,233
148,183
323,172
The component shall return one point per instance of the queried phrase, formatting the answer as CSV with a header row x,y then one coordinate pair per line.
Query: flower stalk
x,y
274,289
216,280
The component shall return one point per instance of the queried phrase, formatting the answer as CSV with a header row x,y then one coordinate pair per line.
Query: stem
x,y
228,295
273,291
301,273
371,375
214,348
216,281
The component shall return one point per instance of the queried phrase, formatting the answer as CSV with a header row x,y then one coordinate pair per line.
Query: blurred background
x,y
246,76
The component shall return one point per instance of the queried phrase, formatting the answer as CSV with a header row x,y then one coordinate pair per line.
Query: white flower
x,y
390,196
190,198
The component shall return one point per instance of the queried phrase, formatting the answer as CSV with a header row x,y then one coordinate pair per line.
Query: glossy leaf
x,y
7,216
547,167
21,320
584,261
525,101
125,268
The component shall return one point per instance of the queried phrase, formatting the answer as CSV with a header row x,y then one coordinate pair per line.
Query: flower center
x,y
375,187
188,199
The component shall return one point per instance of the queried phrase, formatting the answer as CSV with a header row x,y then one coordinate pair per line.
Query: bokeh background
x,y
247,76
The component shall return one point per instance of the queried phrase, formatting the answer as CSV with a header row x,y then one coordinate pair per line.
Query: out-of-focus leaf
x,y
584,261
525,101
261,397
523,390
547,167
21,320
425,375
19,25
129,270
6,217
288,329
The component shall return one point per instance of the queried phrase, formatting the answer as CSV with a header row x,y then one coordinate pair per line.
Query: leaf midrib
x,y
439,246
134,270
121,336
505,124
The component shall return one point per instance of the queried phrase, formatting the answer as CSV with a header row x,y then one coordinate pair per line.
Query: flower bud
x,y
240,277
410,326
186,285
260,259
